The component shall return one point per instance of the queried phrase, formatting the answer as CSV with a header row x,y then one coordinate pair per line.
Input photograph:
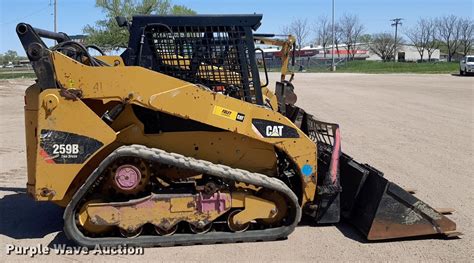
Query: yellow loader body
x,y
178,142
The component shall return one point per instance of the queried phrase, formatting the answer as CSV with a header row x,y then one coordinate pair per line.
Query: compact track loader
x,y
179,142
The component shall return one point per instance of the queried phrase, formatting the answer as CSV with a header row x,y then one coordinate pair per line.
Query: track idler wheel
x,y
233,226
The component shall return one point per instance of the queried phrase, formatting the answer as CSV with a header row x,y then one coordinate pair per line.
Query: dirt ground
x,y
418,129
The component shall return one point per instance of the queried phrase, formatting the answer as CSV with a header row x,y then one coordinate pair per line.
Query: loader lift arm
x,y
284,89
287,45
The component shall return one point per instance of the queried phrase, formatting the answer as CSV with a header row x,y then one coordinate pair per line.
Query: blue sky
x,y
374,14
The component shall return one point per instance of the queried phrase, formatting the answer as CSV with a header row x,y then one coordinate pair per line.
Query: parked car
x,y
466,66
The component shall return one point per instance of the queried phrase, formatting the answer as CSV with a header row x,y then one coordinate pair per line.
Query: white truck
x,y
466,66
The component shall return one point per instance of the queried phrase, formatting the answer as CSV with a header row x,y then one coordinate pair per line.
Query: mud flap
x,y
381,209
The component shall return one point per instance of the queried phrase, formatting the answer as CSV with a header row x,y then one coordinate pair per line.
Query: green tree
x,y
9,56
181,10
109,36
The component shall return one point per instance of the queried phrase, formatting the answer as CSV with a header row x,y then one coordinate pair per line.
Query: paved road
x,y
418,129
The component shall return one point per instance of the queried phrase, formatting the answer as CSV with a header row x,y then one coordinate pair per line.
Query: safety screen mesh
x,y
321,132
214,56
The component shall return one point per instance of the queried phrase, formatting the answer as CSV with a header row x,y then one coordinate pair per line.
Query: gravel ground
x,y
418,129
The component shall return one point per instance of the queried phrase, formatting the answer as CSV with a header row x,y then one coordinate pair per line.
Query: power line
x,y
26,16
55,17
396,22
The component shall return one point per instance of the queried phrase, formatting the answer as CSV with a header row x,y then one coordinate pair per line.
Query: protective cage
x,y
327,138
214,51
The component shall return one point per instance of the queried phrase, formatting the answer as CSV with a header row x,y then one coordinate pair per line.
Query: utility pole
x,y
396,22
333,65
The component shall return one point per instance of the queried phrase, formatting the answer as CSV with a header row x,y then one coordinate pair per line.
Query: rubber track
x,y
155,155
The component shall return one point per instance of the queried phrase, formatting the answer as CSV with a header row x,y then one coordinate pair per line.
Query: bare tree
x,y
419,36
323,32
351,30
466,35
337,38
365,39
432,43
383,45
299,28
448,31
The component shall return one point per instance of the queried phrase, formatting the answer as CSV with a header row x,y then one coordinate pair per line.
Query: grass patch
x,y
16,75
377,67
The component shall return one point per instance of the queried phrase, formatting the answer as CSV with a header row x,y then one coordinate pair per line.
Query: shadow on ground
x,y
21,217
351,232
61,240
459,75
346,229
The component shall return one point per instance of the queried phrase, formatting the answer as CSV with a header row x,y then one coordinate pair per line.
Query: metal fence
x,y
306,63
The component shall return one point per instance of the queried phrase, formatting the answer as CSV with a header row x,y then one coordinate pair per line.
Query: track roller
x,y
233,226
200,230
131,234
162,232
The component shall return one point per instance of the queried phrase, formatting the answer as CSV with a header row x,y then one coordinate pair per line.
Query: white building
x,y
361,51
408,53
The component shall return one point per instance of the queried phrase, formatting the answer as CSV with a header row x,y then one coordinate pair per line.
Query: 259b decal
x,y
65,147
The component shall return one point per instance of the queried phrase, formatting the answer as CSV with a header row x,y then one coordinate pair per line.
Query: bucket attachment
x,y
382,210
360,194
